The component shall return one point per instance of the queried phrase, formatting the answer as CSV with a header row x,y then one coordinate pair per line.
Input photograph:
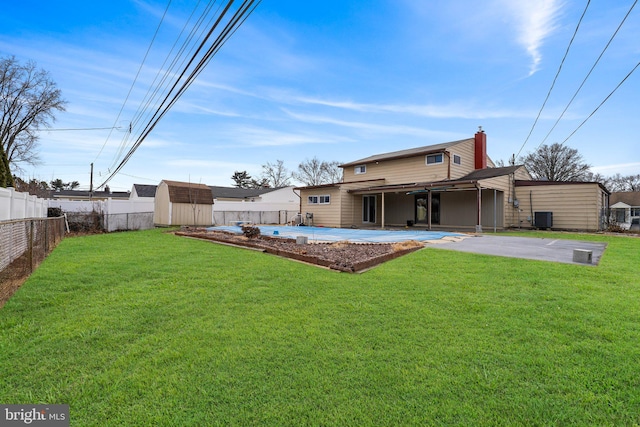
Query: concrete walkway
x,y
556,250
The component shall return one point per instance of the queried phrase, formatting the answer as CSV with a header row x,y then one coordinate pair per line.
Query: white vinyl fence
x,y
16,205
225,213
112,215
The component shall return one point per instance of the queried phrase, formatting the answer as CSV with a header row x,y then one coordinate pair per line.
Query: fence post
x,y
31,246
46,236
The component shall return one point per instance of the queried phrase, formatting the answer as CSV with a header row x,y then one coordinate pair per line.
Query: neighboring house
x,y
183,203
625,208
451,185
283,197
235,194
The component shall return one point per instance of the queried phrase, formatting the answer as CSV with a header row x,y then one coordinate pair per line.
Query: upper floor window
x,y
433,159
360,169
457,159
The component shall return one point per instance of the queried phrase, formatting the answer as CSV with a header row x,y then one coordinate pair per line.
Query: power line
x,y
555,78
603,101
155,91
238,18
136,77
589,73
79,129
155,95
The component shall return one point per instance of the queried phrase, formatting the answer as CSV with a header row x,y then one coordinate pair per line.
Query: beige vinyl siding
x,y
574,206
351,205
400,208
415,169
162,207
458,208
466,152
401,171
191,214
522,174
506,210
326,215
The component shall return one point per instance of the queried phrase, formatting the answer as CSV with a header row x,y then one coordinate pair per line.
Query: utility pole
x,y
91,180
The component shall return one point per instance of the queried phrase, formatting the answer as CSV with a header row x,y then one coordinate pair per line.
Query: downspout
x,y
531,206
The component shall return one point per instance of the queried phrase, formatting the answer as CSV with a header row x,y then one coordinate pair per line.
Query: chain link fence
x,y
24,244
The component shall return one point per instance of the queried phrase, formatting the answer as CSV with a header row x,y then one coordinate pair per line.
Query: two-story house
x,y
451,185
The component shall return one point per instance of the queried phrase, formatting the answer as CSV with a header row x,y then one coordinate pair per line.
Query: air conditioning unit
x,y
543,219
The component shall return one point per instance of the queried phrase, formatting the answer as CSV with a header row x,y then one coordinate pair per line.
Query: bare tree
x,y
334,171
619,182
33,187
276,174
28,100
316,172
556,162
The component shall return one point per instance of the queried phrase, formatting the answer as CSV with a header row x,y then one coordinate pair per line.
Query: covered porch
x,y
459,205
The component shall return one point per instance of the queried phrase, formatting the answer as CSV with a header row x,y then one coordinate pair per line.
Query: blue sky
x,y
339,80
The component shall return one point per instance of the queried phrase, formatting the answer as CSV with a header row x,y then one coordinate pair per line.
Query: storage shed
x,y
183,203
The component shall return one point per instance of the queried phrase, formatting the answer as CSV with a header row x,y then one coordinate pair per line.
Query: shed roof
x,y
144,190
239,193
631,198
428,149
187,192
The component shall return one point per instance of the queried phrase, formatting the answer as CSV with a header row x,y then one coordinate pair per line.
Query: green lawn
x,y
145,328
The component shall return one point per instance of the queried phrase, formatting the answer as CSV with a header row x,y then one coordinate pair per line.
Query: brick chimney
x,y
480,149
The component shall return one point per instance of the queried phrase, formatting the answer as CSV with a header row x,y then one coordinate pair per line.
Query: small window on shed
x,y
457,159
312,200
360,169
433,159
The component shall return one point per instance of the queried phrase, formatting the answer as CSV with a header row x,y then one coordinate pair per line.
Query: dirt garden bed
x,y
341,256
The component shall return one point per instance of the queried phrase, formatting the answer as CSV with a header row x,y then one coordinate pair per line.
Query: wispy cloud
x,y
445,111
621,168
363,126
534,21
261,137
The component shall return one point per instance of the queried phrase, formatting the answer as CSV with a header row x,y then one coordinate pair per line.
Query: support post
x,y
495,208
382,216
479,223
429,208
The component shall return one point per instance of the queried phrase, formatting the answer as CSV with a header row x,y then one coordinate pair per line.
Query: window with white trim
x,y
319,200
457,159
360,169
433,159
